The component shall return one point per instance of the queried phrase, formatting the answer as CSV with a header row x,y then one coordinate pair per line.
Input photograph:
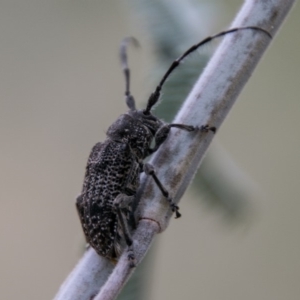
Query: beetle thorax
x,y
136,130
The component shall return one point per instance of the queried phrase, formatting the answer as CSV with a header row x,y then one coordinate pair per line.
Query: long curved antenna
x,y
124,61
154,97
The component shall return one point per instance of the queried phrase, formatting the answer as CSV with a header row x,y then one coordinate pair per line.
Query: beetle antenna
x,y
154,97
124,61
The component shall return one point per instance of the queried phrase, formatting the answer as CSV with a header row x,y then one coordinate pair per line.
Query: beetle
x,y
112,177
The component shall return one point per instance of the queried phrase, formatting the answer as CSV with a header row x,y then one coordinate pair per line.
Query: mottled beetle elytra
x,y
114,166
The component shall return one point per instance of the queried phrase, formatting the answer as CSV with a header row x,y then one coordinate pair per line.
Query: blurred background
x,y
62,86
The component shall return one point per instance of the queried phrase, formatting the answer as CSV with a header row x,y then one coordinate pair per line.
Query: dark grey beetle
x,y
113,169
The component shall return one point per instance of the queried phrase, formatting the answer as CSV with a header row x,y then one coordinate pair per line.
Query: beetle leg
x,y
120,204
149,170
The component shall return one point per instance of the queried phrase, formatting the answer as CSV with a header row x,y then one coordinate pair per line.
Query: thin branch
x,y
85,280
179,157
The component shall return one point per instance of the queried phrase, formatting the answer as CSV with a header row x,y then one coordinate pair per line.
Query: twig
x,y
84,281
